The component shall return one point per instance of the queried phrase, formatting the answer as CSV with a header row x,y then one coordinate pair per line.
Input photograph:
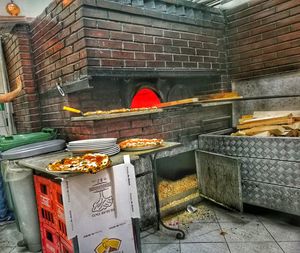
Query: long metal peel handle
x,y
70,109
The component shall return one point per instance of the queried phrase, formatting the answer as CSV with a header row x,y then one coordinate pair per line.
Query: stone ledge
x,y
203,16
147,73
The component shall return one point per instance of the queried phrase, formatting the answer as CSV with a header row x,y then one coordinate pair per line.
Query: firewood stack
x,y
270,123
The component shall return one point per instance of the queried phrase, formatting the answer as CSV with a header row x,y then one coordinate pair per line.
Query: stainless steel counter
x,y
40,163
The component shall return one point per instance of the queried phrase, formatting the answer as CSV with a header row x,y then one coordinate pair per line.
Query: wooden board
x,y
228,94
219,95
266,122
264,114
181,206
178,102
114,115
178,196
219,99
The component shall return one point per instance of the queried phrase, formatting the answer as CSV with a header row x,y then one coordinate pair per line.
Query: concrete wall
x,y
281,84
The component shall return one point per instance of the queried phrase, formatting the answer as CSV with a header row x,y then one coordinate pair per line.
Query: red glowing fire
x,y
145,98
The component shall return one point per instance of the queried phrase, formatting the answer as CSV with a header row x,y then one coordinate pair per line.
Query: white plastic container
x,y
23,196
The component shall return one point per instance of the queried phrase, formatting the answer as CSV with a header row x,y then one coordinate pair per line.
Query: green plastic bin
x,y
12,141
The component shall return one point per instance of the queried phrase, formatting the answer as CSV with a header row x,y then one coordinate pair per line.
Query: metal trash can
x,y
21,187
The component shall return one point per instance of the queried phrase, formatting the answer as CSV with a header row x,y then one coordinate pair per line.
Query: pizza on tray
x,y
140,144
88,163
121,110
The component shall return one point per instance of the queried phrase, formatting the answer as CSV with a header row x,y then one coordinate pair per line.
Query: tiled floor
x,y
255,231
9,236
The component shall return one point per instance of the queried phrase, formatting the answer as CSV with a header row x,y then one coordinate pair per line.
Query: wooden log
x,y
296,125
238,133
275,130
245,117
263,134
293,133
266,122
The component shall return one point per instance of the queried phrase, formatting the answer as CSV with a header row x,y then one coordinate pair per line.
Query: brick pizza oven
x,y
102,52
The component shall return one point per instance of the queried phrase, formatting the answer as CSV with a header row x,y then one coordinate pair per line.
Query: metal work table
x,y
40,163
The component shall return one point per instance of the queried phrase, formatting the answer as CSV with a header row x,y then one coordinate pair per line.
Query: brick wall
x,y
80,38
55,55
17,50
263,38
115,38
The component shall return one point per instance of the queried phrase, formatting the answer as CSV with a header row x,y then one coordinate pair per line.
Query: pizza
x,y
121,110
140,143
88,163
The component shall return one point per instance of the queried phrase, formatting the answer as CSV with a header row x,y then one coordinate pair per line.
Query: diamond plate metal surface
x,y
270,168
220,179
271,171
279,148
285,199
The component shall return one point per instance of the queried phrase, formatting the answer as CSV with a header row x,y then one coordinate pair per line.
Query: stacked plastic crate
x,y
51,216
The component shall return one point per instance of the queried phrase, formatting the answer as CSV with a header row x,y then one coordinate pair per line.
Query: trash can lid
x,y
33,149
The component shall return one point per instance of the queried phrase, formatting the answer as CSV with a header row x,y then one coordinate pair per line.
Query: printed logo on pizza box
x,y
109,245
105,201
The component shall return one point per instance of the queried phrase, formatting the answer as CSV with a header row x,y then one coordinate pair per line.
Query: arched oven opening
x,y
145,97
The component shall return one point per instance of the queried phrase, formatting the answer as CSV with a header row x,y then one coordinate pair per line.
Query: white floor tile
x,y
255,247
224,216
204,248
203,232
282,231
249,232
290,247
160,248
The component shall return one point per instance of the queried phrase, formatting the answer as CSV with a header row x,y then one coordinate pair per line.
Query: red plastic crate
x,y
59,212
46,216
58,195
50,240
66,247
51,210
44,198
43,190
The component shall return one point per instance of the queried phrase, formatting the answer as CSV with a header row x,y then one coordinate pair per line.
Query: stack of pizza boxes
x,y
51,216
